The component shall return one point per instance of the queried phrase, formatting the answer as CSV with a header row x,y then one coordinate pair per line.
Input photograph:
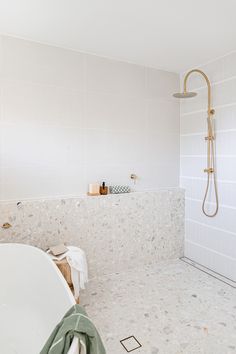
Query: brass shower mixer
x,y
210,170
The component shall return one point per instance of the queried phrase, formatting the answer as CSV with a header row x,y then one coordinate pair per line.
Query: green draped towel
x,y
75,323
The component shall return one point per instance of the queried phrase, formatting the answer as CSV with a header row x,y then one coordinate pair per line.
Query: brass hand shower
x,y
211,168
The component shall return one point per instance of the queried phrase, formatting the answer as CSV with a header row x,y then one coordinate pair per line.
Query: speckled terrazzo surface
x,y
171,308
117,232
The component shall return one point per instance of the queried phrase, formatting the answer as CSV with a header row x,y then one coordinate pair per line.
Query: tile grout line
x,y
219,106
219,131
225,206
226,181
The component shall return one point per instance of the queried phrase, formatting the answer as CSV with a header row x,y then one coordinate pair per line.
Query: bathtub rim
x,y
49,260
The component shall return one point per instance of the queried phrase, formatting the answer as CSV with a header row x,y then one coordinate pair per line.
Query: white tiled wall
x,y
211,241
68,119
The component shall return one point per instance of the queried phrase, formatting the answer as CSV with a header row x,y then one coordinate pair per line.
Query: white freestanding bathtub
x,y
33,298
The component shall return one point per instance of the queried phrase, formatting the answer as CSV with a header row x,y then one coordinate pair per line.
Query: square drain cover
x,y
130,343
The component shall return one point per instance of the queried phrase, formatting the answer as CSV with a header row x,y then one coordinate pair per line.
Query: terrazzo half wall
x,y
117,232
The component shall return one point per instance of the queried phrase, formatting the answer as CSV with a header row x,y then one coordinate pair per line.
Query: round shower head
x,y
184,94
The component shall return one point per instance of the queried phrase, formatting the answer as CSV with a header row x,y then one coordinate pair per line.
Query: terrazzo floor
x,y
171,308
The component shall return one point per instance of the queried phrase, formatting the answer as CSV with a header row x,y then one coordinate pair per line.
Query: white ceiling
x,y
168,34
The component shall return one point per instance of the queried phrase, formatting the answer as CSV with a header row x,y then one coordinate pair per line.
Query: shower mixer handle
x,y
209,170
212,112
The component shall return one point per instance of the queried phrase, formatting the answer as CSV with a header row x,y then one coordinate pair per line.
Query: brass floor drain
x,y
130,344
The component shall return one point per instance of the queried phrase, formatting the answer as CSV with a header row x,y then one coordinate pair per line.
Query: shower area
x,y
207,133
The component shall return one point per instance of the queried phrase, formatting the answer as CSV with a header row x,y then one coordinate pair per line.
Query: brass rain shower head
x,y
185,94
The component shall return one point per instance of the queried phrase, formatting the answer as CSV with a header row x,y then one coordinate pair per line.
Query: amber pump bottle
x,y
103,189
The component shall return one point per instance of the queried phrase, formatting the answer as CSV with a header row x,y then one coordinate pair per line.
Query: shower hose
x,y
211,168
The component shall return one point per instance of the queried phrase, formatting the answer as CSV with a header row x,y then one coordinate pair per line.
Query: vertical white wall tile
x,y
163,116
229,67
111,76
1,56
114,112
161,84
43,105
38,63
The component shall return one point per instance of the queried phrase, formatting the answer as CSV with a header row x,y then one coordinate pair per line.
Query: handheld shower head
x,y
184,94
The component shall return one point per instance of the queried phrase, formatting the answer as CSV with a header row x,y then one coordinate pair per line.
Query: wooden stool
x,y
64,267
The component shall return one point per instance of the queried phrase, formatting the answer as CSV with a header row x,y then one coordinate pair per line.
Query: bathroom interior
x,y
117,177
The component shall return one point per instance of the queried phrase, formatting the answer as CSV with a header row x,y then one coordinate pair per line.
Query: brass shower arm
x,y
210,111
